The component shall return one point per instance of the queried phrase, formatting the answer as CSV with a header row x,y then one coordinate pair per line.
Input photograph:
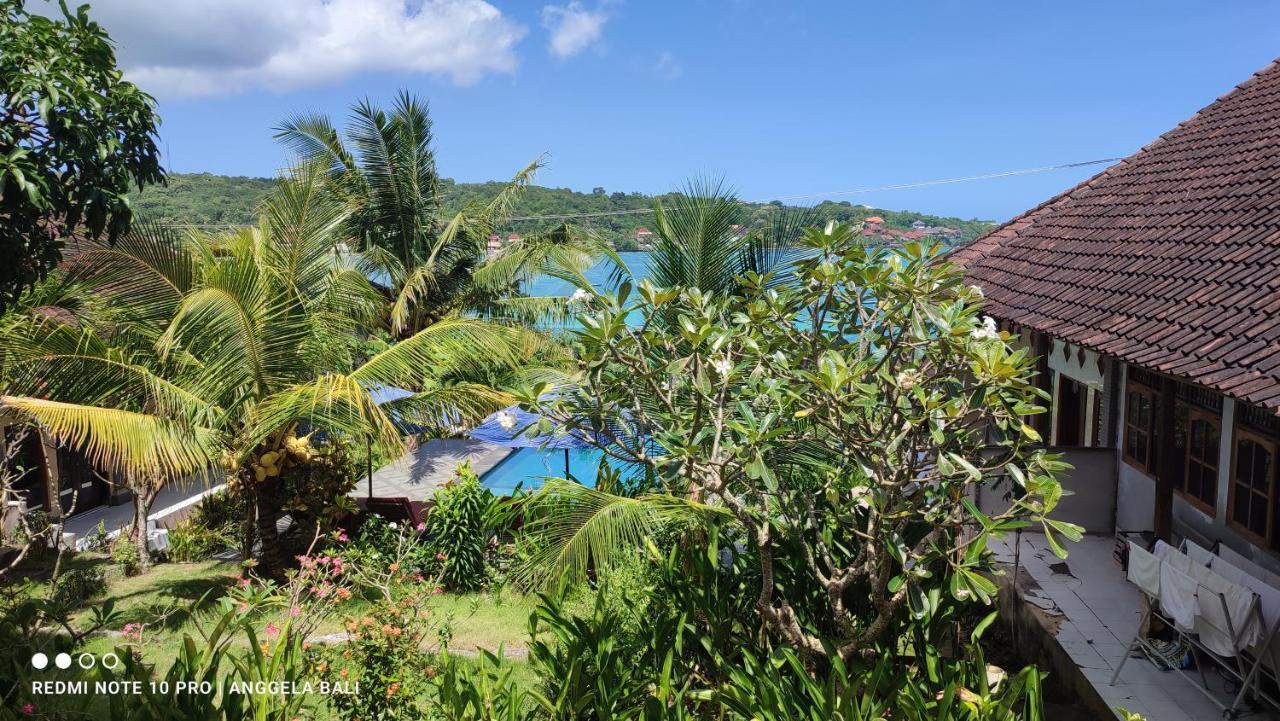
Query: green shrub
x,y
79,585
124,553
459,530
190,541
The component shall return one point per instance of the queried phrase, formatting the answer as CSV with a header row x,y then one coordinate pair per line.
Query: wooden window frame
x,y
1239,434
1146,465
1195,413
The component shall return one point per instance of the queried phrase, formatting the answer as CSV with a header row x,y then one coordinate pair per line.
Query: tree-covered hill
x,y
205,199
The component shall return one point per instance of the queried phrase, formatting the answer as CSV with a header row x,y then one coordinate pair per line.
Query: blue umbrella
x,y
516,428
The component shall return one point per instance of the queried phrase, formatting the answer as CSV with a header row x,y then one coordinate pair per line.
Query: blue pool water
x,y
532,465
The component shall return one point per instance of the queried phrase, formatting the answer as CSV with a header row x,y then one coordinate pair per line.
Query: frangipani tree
x,y
226,349
835,424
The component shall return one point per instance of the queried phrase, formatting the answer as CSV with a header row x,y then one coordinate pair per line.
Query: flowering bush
x,y
386,654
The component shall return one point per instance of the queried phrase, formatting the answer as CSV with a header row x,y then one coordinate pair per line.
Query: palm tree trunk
x,y
268,515
143,496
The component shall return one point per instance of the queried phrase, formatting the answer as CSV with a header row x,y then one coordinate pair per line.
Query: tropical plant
x,y
706,240
433,264
837,420
458,530
74,138
221,349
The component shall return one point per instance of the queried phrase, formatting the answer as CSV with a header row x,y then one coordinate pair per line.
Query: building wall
x,y
1136,495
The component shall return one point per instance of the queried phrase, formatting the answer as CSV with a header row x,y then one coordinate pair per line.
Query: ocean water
x,y
637,262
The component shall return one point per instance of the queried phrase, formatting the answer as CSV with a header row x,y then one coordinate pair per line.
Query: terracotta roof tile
x,y
1169,259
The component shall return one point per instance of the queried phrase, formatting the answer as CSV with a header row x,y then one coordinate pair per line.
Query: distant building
x,y
738,230
495,245
874,220
513,238
919,225
644,238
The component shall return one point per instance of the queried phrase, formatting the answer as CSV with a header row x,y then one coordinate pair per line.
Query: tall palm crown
x,y
217,348
706,240
384,170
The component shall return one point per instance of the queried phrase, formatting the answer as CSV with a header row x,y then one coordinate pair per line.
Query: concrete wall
x,y
1091,483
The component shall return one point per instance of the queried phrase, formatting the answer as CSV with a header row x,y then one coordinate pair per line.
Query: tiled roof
x,y
1169,259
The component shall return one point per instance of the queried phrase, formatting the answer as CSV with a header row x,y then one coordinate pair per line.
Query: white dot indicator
x,y
39,660
62,660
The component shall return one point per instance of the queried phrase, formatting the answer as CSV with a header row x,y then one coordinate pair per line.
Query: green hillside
x,y
205,199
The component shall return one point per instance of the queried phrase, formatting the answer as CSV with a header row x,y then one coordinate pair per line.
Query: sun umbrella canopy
x,y
516,428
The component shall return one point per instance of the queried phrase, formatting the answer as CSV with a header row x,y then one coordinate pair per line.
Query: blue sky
x,y
778,98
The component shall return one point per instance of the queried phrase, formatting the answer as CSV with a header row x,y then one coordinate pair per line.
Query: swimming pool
x,y
533,465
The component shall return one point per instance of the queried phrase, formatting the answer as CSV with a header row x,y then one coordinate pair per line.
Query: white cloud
x,y
205,47
573,27
667,67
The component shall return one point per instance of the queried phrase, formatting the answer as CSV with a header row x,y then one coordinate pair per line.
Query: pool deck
x,y
423,469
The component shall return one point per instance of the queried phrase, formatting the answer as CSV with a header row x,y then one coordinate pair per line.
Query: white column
x,y
1225,443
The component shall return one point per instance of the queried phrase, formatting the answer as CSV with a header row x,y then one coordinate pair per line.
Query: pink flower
x,y
343,537
132,631
295,612
28,709
272,630
245,583
440,556
244,608
437,590
421,527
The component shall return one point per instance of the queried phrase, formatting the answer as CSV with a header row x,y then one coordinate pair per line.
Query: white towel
x,y
1177,559
1221,567
1248,566
1144,570
1268,602
1178,596
1163,549
1198,553
1212,626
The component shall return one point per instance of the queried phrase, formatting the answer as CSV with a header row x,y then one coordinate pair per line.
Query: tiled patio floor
x,y
1100,612
420,471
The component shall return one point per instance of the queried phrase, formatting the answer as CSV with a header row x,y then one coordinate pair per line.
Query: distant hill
x,y
203,198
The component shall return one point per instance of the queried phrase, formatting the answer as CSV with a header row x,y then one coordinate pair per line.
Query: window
x,y
1200,472
1253,484
1139,426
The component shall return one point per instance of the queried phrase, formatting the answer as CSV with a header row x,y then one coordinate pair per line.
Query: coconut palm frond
x,y
452,345
304,223
574,528
773,246
417,285
313,138
698,244
334,403
145,272
444,409
122,440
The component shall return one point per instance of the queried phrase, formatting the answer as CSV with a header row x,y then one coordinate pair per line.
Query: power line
x,y
855,191
800,196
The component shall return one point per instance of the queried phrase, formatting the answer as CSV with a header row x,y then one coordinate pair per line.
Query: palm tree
x,y
384,170
226,349
707,240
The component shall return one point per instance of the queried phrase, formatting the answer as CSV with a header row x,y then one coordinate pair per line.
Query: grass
x,y
161,598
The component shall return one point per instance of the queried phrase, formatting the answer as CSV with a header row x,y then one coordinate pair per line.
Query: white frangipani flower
x,y
507,420
722,366
908,379
977,291
988,331
580,295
